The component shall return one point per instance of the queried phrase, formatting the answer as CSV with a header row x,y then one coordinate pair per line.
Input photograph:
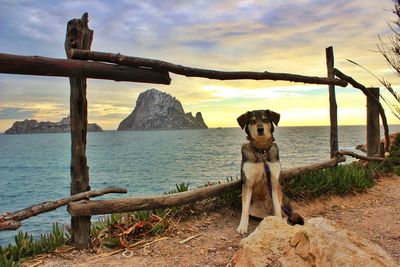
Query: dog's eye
x,y
265,120
253,121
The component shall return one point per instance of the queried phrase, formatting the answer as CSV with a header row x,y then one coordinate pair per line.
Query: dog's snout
x,y
260,130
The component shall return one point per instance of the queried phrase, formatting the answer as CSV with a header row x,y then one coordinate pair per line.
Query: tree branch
x,y
44,66
11,221
358,85
196,72
358,156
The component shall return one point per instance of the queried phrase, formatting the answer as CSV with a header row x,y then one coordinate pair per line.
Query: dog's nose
x,y
260,131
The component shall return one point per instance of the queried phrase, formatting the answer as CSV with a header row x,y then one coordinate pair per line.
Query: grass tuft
x,y
332,181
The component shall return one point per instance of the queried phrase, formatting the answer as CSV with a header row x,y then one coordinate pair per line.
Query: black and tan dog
x,y
260,171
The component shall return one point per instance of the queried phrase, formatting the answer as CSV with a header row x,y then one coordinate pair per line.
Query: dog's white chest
x,y
254,172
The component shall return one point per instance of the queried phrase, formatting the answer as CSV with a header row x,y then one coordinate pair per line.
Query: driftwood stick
x,y
11,221
88,207
44,66
9,225
358,156
196,72
334,142
366,92
373,131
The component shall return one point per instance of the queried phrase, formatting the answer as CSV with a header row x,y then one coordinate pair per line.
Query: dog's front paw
x,y
242,228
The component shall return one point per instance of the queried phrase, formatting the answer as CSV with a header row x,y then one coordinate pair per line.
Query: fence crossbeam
x,y
196,72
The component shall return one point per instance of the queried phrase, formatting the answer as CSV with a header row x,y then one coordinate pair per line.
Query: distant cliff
x,y
33,127
156,110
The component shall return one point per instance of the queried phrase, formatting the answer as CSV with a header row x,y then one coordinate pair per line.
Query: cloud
x,y
40,111
257,93
16,113
276,36
98,111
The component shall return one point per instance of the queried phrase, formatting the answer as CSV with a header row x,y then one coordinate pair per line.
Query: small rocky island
x,y
157,110
36,127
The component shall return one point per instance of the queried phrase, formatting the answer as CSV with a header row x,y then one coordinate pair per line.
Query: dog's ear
x,y
243,119
275,117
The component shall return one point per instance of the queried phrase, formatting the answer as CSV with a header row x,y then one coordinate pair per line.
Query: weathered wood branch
x,y
373,129
79,36
88,207
44,66
196,72
366,92
334,143
9,225
312,167
358,156
11,221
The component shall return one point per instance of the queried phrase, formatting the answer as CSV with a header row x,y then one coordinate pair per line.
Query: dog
x,y
261,170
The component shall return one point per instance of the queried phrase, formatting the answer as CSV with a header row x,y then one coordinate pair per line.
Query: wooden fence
x,y
125,68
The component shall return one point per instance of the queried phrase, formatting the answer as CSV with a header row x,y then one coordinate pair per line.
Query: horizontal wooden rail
x,y
196,72
88,207
366,92
44,66
358,156
293,172
11,221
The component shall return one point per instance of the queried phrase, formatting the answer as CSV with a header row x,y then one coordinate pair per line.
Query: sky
x,y
270,35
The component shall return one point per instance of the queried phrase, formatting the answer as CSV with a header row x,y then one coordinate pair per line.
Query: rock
x,y
33,126
362,148
318,243
392,136
156,110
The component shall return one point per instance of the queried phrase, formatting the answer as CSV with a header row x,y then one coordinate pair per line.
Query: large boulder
x,y
157,110
318,243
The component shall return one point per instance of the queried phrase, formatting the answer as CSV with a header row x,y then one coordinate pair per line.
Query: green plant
x,y
392,164
25,246
395,148
335,180
233,197
181,187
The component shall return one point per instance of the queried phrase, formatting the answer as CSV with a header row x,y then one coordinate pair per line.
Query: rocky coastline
x,y
37,127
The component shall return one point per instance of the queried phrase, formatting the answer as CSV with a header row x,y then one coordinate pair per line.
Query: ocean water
x,y
35,168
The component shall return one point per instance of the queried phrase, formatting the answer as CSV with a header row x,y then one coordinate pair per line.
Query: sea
x,y
35,167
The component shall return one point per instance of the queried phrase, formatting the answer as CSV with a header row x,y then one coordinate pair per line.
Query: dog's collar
x,y
263,151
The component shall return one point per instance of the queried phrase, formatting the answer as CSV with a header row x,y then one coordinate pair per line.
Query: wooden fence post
x,y
334,146
373,129
79,36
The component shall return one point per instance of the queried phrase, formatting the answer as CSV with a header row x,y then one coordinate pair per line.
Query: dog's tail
x,y
293,218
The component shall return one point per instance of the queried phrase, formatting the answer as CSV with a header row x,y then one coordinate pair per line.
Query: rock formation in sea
x,y
34,126
157,110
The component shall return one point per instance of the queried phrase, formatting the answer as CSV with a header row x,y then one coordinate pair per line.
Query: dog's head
x,y
259,125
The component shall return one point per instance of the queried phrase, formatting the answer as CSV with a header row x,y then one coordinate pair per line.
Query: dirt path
x,y
374,215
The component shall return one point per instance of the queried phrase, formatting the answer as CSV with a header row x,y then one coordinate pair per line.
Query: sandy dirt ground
x,y
374,215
